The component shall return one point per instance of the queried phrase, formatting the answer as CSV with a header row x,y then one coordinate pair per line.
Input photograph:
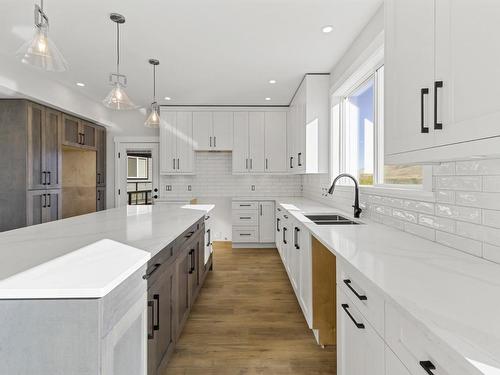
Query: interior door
x,y
37,175
275,140
468,105
409,69
202,131
240,142
168,142
53,150
184,135
256,134
266,222
223,131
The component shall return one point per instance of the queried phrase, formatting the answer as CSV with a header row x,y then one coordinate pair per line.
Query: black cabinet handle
x,y
360,296
285,216
267,164
296,238
156,327
192,268
245,234
83,138
151,335
98,178
189,234
49,178
44,200
428,366
299,159
210,141
277,224
155,190
245,217
50,200
207,217
284,235
153,270
345,306
291,161
173,166
155,196
245,205
209,234
260,209
178,164
44,178
215,141
437,85
423,128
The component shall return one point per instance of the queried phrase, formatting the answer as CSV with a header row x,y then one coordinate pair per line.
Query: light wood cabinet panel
x,y
72,135
101,157
37,175
53,150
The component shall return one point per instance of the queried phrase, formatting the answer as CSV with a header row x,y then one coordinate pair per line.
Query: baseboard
x,y
253,245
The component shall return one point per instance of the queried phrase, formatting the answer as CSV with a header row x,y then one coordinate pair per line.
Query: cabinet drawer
x,y
417,349
362,294
245,218
245,235
245,205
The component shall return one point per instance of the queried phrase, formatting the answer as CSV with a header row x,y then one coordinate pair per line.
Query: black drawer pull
x,y
245,205
296,238
207,217
44,178
437,125
48,173
428,366
153,270
285,216
151,335
284,235
277,224
245,218
245,234
156,326
189,234
360,296
423,128
345,306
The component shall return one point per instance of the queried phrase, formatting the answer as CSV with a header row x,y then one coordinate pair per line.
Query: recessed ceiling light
x,y
168,98
327,29
272,81
268,99
81,84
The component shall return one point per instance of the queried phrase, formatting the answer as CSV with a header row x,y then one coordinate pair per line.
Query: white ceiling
x,y
211,52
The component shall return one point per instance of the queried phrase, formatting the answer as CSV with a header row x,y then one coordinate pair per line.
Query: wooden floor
x,y
247,321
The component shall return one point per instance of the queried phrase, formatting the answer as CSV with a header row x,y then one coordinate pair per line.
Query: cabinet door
x,y
223,131
71,131
290,138
168,142
409,69
37,176
53,205
101,157
305,277
360,350
101,199
88,132
256,133
183,266
53,150
393,366
294,258
35,206
194,272
468,67
266,222
202,131
240,142
300,129
184,135
161,293
275,142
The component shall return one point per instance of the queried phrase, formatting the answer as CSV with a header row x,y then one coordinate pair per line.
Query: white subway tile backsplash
x,y
491,183
491,236
491,252
468,183
420,231
491,218
424,207
411,217
443,169
434,222
459,213
476,199
478,167
464,244
469,230
445,196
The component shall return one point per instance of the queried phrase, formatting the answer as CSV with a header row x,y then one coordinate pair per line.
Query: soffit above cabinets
x,y
217,52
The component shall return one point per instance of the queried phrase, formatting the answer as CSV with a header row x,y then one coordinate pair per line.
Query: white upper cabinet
x,y
213,131
240,142
222,131
275,142
202,131
308,126
442,80
176,143
256,133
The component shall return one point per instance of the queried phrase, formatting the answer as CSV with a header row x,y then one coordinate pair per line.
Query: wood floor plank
x,y
247,321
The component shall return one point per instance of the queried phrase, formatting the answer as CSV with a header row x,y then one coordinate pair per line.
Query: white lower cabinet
x,y
393,366
266,222
302,247
253,222
360,350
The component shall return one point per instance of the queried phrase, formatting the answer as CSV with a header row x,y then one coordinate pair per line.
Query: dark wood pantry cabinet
x,y
32,141
174,281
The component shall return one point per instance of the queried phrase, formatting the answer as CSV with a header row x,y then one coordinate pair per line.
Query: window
x,y
358,125
137,167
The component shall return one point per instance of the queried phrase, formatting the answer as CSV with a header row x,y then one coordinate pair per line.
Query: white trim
x,y
138,139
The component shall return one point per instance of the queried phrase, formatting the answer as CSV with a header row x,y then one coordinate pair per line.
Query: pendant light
x,y
117,97
153,120
40,51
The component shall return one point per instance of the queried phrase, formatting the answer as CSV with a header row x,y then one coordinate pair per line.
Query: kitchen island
x,y
85,295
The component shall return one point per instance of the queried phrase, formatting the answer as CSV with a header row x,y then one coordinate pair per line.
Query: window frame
x,y
137,168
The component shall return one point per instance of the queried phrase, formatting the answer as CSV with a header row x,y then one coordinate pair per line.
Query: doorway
x,y
137,173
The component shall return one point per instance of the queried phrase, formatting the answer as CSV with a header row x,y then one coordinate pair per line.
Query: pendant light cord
x,y
117,48
154,83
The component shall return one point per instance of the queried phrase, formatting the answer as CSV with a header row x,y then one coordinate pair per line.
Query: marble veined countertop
x,y
454,295
49,260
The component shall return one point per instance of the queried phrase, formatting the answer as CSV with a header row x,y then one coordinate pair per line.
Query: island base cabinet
x,y
360,350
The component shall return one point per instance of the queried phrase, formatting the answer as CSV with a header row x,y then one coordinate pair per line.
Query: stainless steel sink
x,y
330,219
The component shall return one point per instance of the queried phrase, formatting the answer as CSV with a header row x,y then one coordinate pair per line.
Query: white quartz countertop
x,y
38,256
454,295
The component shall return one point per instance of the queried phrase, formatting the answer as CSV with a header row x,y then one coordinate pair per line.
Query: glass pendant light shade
x,y
153,120
41,52
118,98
